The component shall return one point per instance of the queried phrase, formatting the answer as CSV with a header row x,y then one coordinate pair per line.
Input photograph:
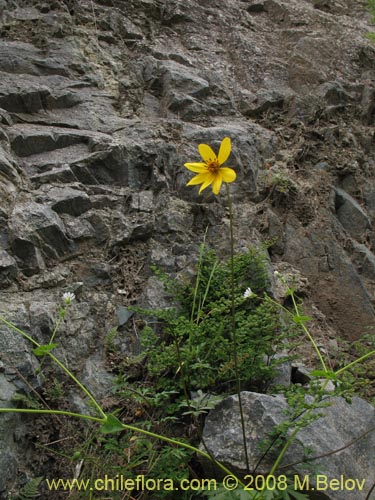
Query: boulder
x,y
350,213
343,427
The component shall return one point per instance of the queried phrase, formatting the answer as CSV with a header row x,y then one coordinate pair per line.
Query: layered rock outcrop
x,y
101,103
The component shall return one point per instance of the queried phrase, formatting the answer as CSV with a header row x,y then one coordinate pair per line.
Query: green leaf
x,y
330,375
44,349
301,319
112,424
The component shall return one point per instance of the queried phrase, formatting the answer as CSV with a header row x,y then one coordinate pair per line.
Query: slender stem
x,y
283,451
182,444
25,335
182,369
126,427
80,385
365,356
303,326
234,333
54,333
52,412
206,291
296,430
201,251
99,408
55,330
60,364
313,343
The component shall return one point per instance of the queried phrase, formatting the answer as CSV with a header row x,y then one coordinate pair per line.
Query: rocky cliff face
x,y
101,103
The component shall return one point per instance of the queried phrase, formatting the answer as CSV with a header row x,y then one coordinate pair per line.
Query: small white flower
x,y
248,293
68,297
277,274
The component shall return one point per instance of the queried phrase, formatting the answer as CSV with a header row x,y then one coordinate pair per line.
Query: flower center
x,y
212,166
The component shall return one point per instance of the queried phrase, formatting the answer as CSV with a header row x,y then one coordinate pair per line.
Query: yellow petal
x,y
216,185
228,174
206,153
204,185
200,178
196,167
224,151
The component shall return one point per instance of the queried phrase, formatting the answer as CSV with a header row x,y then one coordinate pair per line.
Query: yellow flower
x,y
211,171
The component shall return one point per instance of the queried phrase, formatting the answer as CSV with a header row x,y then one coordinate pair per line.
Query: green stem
x,y
60,364
313,343
55,330
365,356
125,427
296,430
234,333
182,369
306,331
201,250
184,445
80,385
283,451
104,416
52,412
53,335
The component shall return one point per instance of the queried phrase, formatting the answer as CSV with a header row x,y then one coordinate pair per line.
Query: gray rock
x,y
96,378
183,90
163,76
222,435
31,258
131,227
16,348
369,196
78,229
16,57
255,5
62,174
10,425
182,79
275,231
8,461
142,201
8,268
101,222
265,99
334,281
351,215
8,168
123,315
178,217
368,104
67,200
364,260
334,93
283,371
27,139
41,227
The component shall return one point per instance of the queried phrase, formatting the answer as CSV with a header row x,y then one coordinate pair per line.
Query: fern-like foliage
x,y
30,490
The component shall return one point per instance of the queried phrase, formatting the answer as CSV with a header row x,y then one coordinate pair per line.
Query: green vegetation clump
x,y
190,344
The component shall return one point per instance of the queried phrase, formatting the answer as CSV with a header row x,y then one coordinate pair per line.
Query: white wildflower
x,y
277,274
248,293
68,297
